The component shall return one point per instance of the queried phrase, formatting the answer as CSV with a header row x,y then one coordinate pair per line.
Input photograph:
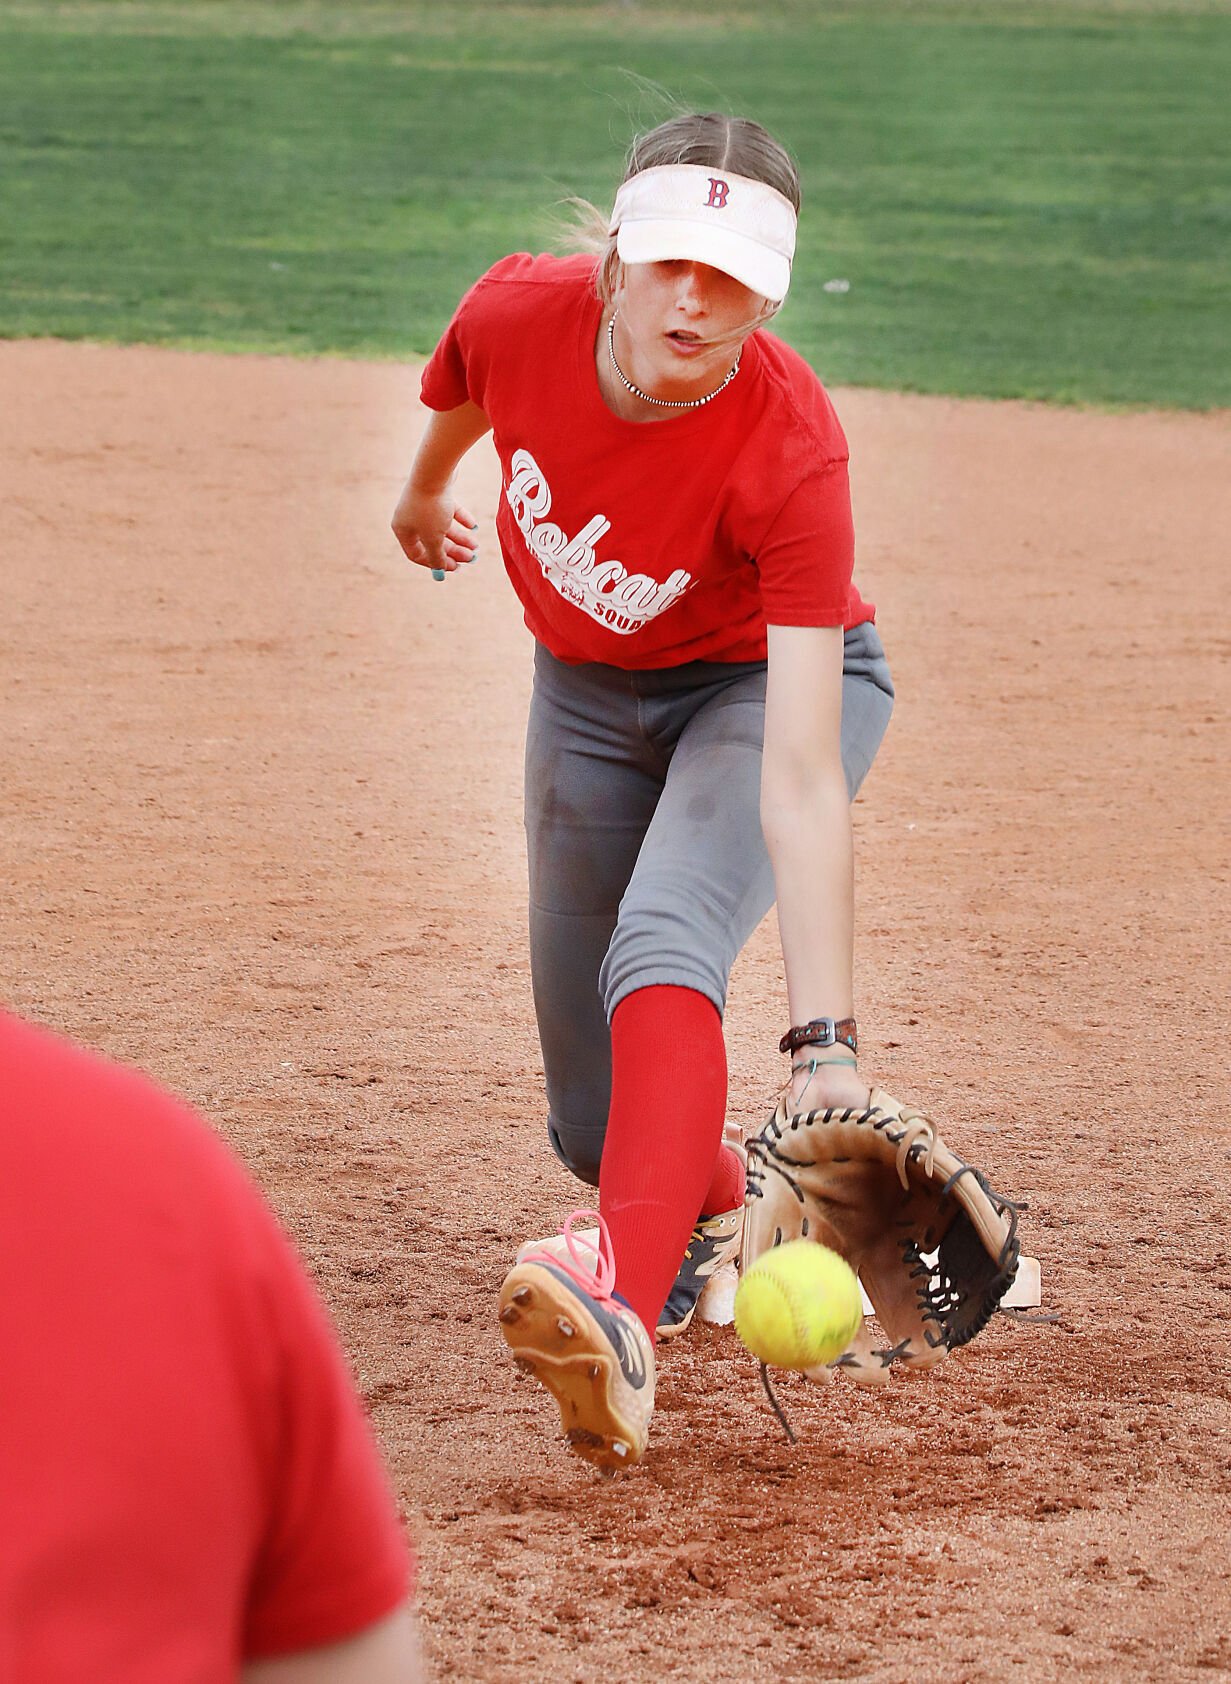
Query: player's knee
x,y
579,1147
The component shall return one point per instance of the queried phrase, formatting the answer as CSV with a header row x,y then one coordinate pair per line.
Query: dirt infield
x,y
261,834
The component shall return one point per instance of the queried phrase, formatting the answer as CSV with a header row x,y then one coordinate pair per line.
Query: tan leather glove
x,y
881,1188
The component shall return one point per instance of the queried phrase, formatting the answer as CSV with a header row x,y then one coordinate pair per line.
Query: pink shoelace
x,y
587,1265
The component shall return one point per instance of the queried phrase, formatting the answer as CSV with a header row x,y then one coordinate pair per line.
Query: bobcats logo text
x,y
605,590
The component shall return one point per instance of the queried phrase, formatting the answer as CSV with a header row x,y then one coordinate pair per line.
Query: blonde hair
x,y
734,144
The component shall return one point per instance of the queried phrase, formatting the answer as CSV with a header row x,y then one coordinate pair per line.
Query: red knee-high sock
x,y
664,1131
726,1188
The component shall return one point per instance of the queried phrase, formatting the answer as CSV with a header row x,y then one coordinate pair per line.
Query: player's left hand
x,y
872,1179
818,1083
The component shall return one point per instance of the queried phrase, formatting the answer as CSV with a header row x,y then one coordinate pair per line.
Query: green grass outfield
x,y
1025,199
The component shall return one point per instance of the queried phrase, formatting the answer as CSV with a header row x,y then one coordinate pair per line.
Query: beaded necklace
x,y
665,403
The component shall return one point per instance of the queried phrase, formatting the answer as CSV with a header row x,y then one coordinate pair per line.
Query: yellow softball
x,y
798,1305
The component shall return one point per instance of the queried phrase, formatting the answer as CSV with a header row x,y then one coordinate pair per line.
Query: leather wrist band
x,y
822,1032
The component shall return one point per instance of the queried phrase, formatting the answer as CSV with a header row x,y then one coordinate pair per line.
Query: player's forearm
x,y
807,830
447,437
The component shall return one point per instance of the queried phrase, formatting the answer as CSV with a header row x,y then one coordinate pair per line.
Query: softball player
x,y
709,693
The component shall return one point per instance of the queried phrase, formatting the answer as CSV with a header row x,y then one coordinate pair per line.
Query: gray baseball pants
x,y
647,862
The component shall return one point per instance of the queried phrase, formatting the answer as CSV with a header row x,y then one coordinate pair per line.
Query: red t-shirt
x,y
187,1478
647,545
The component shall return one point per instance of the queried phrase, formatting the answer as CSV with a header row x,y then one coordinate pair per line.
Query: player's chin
x,y
689,377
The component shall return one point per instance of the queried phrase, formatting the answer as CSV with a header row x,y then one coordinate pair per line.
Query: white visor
x,y
745,228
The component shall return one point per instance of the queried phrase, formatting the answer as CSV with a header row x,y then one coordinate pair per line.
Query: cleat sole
x,y
567,1364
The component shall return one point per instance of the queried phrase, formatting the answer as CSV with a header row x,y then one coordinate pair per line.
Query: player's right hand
x,y
433,530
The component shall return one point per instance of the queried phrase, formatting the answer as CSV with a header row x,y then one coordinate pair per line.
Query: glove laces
x,y
916,1128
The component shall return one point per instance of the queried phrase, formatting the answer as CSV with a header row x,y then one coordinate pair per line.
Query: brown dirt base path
x,y
260,833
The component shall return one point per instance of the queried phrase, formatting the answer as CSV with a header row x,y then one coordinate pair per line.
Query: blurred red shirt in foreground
x,y
187,1478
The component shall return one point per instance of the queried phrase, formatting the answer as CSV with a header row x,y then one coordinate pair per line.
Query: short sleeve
x,y
456,371
444,382
806,555
334,1559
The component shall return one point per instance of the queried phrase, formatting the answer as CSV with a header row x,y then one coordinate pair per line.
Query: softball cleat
x,y
714,1244
564,1324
